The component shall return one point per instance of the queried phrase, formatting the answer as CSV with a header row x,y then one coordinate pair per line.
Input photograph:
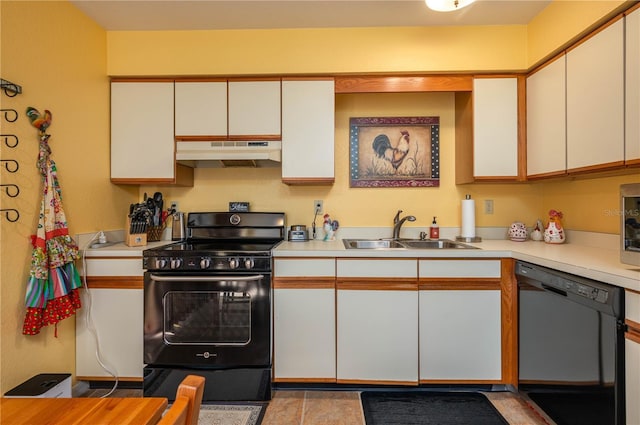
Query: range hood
x,y
217,154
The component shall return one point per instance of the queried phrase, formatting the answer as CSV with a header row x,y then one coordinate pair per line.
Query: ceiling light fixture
x,y
447,5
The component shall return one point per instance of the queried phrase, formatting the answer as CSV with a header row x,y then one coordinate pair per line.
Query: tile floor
x,y
344,408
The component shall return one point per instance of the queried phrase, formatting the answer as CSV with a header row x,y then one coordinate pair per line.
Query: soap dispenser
x,y
434,230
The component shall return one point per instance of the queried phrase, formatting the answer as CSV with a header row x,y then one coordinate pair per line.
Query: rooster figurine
x,y
395,155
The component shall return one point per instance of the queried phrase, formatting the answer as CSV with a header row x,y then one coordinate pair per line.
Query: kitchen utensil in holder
x,y
134,239
154,233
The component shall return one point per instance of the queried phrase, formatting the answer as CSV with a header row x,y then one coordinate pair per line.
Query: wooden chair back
x,y
177,414
190,390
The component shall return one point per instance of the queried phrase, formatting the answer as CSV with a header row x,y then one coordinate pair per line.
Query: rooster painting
x,y
395,155
394,151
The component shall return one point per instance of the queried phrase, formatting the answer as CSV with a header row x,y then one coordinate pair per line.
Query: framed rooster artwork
x,y
394,152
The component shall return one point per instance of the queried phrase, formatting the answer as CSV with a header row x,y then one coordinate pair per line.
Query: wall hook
x,y
7,113
10,161
14,186
6,140
10,210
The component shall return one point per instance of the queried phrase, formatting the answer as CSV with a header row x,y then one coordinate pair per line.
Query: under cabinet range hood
x,y
217,154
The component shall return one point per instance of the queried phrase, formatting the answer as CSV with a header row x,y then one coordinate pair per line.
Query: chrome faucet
x,y
398,222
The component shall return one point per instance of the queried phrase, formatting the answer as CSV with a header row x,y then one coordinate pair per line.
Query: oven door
x,y
207,320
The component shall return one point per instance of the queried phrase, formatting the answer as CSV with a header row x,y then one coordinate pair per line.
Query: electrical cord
x,y
109,368
313,225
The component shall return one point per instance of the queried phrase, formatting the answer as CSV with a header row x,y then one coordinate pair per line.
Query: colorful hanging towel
x,y
52,290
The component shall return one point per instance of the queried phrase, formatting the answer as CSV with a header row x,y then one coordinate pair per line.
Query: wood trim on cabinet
x,y
403,84
633,336
455,284
633,326
376,284
632,162
598,167
325,78
375,382
464,137
183,177
546,175
304,282
115,282
461,381
522,128
204,139
200,80
254,137
509,322
141,80
302,181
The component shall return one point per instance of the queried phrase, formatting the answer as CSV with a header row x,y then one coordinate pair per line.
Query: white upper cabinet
x,y
546,120
308,131
254,109
632,98
495,127
595,101
201,108
142,146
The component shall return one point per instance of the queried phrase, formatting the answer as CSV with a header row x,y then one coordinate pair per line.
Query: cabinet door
x,y
254,109
117,316
495,127
304,334
142,141
632,86
546,120
308,109
461,343
201,108
595,101
632,375
377,336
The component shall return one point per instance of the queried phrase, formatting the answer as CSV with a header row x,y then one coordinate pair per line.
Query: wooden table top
x,y
85,411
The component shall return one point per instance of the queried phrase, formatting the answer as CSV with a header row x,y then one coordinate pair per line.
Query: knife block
x,y
134,239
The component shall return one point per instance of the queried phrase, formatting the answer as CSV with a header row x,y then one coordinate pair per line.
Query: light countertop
x,y
602,264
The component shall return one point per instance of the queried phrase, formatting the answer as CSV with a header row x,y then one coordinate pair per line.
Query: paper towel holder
x,y
468,239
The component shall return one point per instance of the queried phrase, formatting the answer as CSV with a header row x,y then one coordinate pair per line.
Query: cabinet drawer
x,y
632,305
130,266
459,268
376,268
309,267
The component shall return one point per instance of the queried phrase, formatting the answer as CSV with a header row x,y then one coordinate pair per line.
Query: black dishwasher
x,y
571,346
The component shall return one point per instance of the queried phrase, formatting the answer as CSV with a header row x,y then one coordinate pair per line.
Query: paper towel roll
x,y
468,229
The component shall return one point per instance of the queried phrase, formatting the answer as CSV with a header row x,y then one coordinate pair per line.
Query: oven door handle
x,y
205,278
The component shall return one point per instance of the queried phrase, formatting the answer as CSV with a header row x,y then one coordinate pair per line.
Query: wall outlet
x,y
488,206
174,205
317,207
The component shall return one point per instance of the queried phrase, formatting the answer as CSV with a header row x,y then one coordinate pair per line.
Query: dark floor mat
x,y
578,408
429,408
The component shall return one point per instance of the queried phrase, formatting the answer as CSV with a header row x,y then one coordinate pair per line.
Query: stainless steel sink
x,y
436,244
404,244
371,243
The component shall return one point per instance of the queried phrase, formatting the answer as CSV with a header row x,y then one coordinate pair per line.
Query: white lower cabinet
x,y
116,316
460,335
304,320
377,321
632,356
378,336
304,335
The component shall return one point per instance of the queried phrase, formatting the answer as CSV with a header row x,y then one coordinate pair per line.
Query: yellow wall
x,y
58,56
562,21
311,51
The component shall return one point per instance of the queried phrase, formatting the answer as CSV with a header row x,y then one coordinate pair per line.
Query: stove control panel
x,y
195,263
